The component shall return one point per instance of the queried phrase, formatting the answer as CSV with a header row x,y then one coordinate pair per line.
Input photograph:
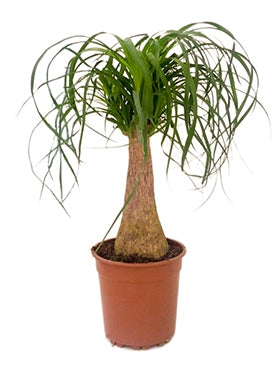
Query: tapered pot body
x,y
139,300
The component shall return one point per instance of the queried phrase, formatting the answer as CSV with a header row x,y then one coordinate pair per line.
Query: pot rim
x,y
141,265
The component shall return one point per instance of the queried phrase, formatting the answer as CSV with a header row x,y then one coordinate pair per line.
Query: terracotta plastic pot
x,y
139,300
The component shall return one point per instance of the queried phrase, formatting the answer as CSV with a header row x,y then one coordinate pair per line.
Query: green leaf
x,y
184,85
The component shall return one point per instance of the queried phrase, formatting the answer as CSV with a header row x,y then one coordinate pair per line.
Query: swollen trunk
x,y
140,232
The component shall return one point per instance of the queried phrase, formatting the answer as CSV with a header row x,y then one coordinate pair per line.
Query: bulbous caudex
x,y
140,231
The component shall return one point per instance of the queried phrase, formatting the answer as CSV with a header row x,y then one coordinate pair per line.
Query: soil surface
x,y
106,251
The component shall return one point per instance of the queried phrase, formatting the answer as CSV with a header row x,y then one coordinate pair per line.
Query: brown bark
x,y
140,231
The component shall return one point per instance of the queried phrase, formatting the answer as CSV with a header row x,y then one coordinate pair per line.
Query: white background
x,y
228,315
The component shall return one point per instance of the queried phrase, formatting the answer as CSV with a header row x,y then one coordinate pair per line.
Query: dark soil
x,y
106,250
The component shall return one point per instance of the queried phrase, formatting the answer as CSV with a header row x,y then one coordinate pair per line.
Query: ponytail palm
x,y
185,85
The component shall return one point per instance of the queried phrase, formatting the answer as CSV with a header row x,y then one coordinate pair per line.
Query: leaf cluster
x,y
193,86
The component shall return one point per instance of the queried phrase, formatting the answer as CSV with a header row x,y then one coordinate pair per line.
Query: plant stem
x,y
140,232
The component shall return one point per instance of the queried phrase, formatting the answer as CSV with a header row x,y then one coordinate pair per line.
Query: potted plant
x,y
189,86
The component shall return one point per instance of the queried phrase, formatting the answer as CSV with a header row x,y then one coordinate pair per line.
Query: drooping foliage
x,y
193,87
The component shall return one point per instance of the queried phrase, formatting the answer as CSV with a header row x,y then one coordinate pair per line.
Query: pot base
x,y
139,347
139,300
